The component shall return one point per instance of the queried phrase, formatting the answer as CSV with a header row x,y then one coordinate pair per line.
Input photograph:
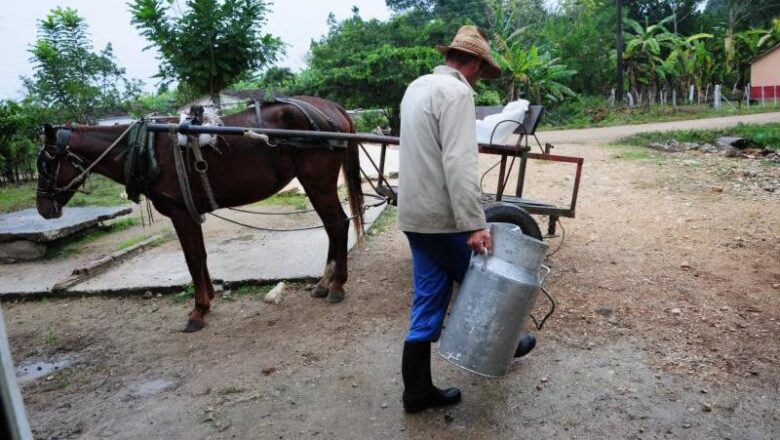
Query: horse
x,y
240,170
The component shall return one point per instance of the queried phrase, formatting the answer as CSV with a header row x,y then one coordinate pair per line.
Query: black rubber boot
x,y
526,344
419,392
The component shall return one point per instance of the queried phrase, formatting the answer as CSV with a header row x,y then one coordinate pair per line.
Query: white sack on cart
x,y
514,111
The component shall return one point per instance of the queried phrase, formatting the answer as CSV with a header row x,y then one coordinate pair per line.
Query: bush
x,y
368,120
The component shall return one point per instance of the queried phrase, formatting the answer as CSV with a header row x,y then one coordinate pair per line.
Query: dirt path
x,y
606,135
668,286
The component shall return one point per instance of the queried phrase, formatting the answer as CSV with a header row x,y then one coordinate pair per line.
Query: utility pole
x,y
619,49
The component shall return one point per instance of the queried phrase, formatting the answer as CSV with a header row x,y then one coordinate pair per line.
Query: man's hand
x,y
480,241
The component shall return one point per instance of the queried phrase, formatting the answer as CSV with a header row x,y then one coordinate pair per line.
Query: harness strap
x,y
259,113
78,179
201,166
184,181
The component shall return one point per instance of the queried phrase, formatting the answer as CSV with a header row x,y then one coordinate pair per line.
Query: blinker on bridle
x,y
44,162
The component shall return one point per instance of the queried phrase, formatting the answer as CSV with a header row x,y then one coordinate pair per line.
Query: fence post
x,y
690,94
762,95
749,91
716,97
674,97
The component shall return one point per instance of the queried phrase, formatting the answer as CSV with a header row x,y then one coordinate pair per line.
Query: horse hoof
x,y
193,326
319,292
335,297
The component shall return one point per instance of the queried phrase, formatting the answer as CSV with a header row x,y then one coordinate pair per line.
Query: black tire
x,y
503,213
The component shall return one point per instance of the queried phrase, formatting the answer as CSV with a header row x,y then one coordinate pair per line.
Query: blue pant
x,y
437,261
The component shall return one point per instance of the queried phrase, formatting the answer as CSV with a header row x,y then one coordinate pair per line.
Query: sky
x,y
296,22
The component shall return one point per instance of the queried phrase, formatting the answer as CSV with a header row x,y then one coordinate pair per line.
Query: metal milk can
x,y
495,299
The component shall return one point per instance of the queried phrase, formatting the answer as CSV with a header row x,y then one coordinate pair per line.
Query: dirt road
x,y
668,289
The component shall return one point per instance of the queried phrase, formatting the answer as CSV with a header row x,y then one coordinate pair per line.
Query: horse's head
x,y
58,169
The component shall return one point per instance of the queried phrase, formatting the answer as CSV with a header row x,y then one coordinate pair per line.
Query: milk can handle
x,y
540,324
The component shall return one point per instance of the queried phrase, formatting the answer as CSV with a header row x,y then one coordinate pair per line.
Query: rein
x,y
73,156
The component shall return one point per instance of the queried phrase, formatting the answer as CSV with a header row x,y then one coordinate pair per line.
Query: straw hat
x,y
473,40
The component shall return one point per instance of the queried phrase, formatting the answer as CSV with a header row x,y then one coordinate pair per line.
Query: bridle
x,y
49,170
47,185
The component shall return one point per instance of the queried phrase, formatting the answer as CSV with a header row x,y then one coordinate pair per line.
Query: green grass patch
x,y
383,222
594,112
184,295
292,198
759,135
130,242
17,197
103,192
257,292
73,245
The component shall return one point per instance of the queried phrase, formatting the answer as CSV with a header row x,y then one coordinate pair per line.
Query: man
x,y
438,206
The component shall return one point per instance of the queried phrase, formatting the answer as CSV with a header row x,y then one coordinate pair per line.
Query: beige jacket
x,y
438,186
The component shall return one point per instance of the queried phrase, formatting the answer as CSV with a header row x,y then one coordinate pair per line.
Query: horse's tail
x,y
354,182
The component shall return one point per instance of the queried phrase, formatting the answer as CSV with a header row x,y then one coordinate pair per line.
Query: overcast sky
x,y
296,22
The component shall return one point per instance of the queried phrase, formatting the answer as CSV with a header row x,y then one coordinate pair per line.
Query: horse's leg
x,y
324,197
323,286
191,238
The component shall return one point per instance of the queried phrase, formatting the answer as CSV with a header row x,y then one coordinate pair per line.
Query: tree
x,y
683,12
643,55
474,11
210,45
19,127
69,76
368,63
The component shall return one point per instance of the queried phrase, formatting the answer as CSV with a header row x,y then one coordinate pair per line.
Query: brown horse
x,y
247,170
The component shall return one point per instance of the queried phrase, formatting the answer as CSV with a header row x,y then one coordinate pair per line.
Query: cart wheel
x,y
503,213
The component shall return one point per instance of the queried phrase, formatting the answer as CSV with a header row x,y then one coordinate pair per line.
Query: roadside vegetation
x,y
759,136
558,54
100,191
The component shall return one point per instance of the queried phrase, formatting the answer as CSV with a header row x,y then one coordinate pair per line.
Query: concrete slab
x,y
246,255
29,225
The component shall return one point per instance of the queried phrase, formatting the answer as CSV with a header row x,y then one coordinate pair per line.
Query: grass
x,y
257,292
71,246
383,222
103,192
137,239
760,135
593,112
291,198
184,295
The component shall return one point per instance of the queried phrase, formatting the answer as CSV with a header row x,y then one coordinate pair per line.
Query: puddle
x,y
150,387
33,369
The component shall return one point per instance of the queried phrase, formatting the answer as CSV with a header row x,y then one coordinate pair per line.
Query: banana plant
x,y
538,75
642,54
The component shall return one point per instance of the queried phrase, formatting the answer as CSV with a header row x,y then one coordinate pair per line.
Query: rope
x,y
305,211
81,176
563,237
382,201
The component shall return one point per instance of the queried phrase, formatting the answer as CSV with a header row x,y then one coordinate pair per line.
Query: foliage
x,y
536,75
591,111
368,63
18,128
761,135
210,44
474,11
165,103
368,121
71,79
583,34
